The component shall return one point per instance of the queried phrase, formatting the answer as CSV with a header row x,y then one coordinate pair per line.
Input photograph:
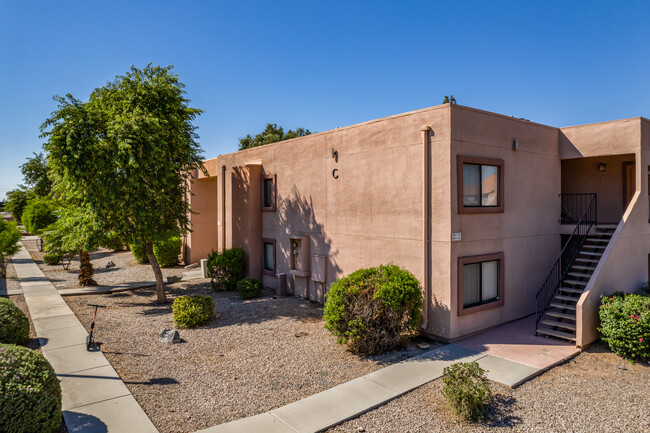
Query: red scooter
x,y
89,338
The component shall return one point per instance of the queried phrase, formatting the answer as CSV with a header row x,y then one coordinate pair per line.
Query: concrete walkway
x,y
95,400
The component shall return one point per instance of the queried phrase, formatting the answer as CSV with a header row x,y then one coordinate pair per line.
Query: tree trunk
x,y
86,270
161,298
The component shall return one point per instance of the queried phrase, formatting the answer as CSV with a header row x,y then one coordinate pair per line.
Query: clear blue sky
x,y
323,64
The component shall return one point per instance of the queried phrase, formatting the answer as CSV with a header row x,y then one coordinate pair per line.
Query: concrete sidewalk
x,y
351,399
95,400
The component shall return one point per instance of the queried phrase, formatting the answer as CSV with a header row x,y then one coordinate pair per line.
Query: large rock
x,y
170,336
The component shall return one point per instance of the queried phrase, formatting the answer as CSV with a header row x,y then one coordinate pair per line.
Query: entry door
x,y
629,183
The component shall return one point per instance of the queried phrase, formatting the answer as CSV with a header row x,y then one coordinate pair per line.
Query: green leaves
x,y
625,325
271,134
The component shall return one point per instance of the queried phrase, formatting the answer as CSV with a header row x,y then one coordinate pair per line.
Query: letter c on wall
x,y
335,173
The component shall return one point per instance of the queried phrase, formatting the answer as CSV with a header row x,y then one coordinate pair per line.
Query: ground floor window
x,y
268,259
480,282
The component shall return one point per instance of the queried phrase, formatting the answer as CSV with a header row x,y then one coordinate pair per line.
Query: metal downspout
x,y
426,198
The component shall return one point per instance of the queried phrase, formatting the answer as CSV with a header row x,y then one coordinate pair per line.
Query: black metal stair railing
x,y
573,207
570,250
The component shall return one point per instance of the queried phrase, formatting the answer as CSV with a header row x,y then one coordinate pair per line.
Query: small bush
x,y
167,251
9,239
192,311
625,325
53,258
467,390
14,325
38,215
30,393
139,253
249,288
374,310
113,242
226,268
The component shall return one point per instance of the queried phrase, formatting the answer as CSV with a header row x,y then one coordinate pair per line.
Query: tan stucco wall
x,y
204,220
599,139
624,264
526,232
581,175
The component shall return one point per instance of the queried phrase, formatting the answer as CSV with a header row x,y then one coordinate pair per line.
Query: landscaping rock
x,y
174,279
110,264
170,336
192,266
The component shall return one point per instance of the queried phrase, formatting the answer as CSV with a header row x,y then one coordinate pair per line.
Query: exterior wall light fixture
x,y
335,155
515,144
602,167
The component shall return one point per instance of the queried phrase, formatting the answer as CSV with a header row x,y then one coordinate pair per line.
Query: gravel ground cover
x,y
252,357
11,282
595,392
126,269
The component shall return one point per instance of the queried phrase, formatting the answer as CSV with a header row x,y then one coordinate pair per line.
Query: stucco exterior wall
x,y
204,203
581,175
527,230
624,264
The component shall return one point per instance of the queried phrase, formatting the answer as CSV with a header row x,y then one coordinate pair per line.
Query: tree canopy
x,y
449,99
35,174
125,157
9,238
271,134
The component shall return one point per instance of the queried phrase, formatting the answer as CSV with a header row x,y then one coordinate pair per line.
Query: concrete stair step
x,y
558,324
558,334
580,274
576,282
561,315
585,260
594,247
566,298
562,306
588,253
569,290
584,268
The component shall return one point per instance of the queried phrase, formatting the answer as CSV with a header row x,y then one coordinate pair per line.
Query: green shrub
x,y
226,268
54,258
625,325
30,393
112,241
14,325
38,214
9,238
374,310
249,288
192,311
139,253
467,390
167,251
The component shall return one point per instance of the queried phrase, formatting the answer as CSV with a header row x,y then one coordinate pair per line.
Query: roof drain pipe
x,y
426,202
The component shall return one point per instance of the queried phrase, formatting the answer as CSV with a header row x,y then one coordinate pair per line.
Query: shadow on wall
x,y
439,317
296,218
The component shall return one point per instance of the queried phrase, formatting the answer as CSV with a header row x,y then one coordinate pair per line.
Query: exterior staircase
x,y
559,318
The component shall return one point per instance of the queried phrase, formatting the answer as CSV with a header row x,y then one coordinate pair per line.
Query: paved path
x,y
95,400
349,400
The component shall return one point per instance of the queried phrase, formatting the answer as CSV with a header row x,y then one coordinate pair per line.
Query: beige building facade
x,y
469,201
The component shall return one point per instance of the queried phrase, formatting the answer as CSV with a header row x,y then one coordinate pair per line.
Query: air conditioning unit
x,y
281,289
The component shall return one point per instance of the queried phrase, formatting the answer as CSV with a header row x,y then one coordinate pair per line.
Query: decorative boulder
x,y
170,336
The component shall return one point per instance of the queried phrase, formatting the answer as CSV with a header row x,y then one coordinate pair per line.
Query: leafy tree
x,y
17,200
449,99
271,134
127,154
35,175
38,214
9,238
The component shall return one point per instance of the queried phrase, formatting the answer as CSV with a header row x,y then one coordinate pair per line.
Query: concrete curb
x,y
94,397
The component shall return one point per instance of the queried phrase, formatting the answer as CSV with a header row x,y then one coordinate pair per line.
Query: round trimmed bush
x,y
167,251
192,311
14,325
374,310
30,393
113,242
625,325
53,258
249,288
226,268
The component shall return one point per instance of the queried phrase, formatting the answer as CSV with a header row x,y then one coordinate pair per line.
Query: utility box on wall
x,y
299,264
319,277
